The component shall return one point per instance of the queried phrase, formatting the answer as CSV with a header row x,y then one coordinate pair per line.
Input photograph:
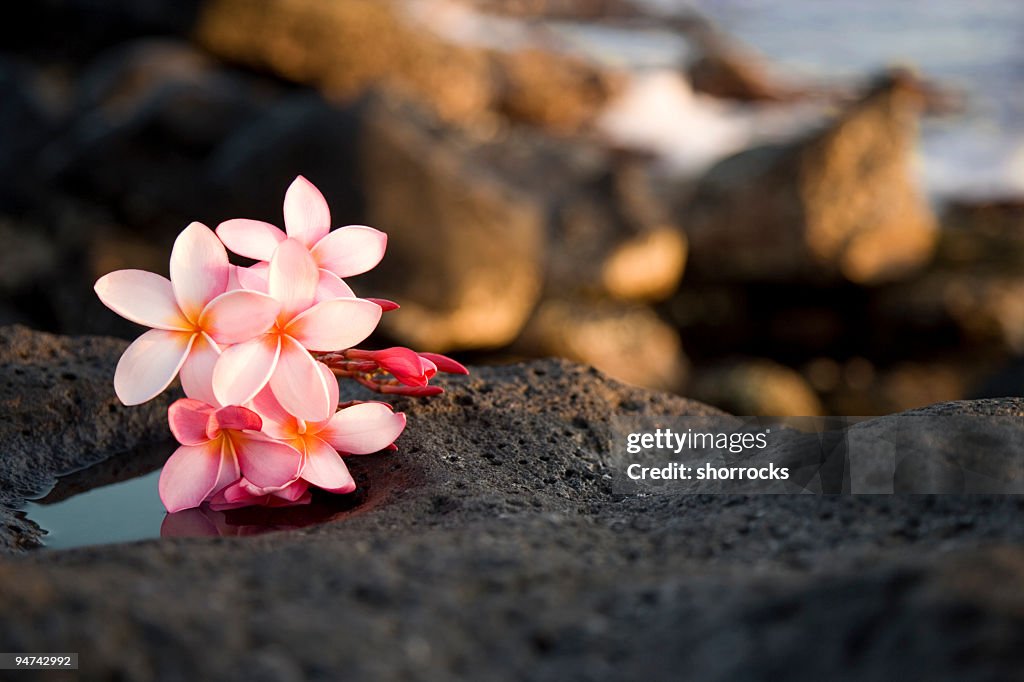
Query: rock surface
x,y
60,414
492,547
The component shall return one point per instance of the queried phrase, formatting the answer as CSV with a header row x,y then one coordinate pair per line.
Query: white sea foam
x,y
659,112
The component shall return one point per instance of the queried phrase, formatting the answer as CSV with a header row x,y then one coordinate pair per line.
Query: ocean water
x,y
975,47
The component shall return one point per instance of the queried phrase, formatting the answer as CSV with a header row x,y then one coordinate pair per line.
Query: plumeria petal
x,y
278,423
293,492
350,250
266,463
238,316
333,390
196,373
325,469
233,418
188,419
150,364
385,305
306,215
239,491
254,277
250,238
331,287
199,269
293,278
364,428
142,297
229,469
404,364
445,363
243,370
190,475
298,384
335,325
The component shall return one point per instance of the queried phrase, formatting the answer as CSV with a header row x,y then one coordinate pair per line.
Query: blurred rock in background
x,y
621,183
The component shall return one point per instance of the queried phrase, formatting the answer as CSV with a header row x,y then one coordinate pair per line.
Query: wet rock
x,y
347,48
627,342
839,203
61,414
756,387
492,547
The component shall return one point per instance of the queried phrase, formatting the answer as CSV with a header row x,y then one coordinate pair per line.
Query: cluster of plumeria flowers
x,y
258,350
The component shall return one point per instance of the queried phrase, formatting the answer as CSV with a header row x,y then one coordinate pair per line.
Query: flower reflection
x,y
203,521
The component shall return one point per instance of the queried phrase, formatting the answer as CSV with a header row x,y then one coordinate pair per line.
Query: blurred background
x,y
785,208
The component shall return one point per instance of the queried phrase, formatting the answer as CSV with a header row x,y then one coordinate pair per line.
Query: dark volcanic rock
x,y
491,547
60,414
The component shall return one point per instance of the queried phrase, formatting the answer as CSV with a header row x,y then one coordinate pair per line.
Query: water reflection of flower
x,y
204,521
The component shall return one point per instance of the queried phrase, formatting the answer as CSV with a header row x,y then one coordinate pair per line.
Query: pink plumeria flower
x,y
280,358
219,446
190,314
243,493
345,252
356,430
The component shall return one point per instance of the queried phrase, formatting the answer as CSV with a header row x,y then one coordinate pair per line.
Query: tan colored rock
x,y
839,203
756,388
626,341
611,238
647,267
465,248
727,72
346,48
